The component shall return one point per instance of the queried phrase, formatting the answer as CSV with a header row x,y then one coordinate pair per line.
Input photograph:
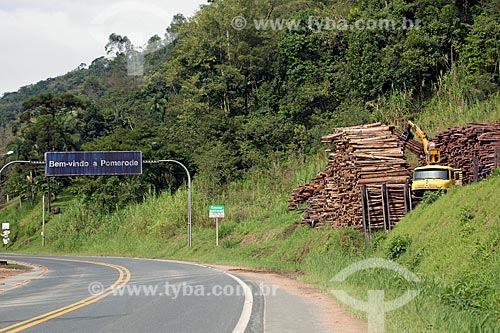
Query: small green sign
x,y
216,212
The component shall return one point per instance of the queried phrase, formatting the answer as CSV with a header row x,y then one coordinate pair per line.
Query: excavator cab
x,y
433,155
458,177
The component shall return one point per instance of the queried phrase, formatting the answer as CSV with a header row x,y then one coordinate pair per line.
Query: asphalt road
x,y
129,295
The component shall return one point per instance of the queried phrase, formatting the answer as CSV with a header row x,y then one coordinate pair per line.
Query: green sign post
x,y
216,212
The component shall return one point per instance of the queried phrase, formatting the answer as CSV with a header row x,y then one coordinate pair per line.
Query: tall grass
x,y
456,102
261,196
24,218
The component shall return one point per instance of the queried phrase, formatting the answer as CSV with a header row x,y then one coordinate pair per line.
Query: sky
x,y
40,39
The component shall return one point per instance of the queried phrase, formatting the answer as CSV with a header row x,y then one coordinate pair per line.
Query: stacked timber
x,y
370,155
474,148
397,208
302,193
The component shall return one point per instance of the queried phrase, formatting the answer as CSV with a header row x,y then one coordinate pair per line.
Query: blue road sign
x,y
93,163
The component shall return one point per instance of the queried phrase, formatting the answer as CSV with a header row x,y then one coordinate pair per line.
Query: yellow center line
x,y
123,279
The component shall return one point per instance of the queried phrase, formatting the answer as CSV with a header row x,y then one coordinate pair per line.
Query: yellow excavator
x,y
432,177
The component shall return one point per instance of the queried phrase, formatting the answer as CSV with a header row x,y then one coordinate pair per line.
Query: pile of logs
x,y
474,148
370,155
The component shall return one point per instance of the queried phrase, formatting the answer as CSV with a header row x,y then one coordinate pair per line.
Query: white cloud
x,y
42,39
134,19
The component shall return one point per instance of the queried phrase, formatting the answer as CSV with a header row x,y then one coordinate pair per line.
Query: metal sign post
x,y
217,231
2,169
190,215
101,163
216,212
43,220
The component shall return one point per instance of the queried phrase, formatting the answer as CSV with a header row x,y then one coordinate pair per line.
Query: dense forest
x,y
224,99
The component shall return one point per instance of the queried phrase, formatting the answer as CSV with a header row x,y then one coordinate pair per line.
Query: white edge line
x,y
246,313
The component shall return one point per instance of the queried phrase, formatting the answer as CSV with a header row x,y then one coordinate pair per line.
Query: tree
x,y
118,45
51,123
481,50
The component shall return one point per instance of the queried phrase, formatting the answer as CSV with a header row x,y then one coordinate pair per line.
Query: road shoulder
x,y
293,306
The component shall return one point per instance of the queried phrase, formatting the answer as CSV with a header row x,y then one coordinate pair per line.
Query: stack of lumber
x,y
302,193
397,209
369,155
372,155
460,146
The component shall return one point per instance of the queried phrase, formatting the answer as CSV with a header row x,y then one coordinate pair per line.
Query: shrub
x,y
398,246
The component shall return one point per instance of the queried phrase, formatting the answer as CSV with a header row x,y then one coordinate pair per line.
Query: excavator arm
x,y
420,133
432,154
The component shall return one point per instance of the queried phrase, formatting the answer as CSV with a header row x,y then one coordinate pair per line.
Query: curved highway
x,y
128,295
